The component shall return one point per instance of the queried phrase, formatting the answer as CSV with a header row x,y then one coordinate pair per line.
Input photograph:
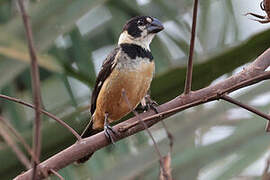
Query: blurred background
x,y
213,141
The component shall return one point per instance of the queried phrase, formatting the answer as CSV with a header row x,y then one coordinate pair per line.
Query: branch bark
x,y
161,161
16,149
244,106
19,137
254,73
35,87
57,174
191,49
21,156
61,122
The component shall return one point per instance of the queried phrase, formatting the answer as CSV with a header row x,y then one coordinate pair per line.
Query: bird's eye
x,y
140,23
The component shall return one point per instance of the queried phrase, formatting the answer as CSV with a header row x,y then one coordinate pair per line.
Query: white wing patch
x,y
100,83
149,20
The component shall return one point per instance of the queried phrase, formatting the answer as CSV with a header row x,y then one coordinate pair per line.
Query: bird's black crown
x,y
133,25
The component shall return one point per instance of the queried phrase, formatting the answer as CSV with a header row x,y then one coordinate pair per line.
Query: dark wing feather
x,y
104,73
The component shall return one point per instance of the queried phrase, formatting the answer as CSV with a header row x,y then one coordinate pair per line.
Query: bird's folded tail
x,y
88,131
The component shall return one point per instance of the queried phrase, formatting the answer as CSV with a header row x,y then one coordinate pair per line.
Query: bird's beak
x,y
155,27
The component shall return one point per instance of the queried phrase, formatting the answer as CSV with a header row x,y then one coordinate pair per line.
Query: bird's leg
x,y
108,130
148,103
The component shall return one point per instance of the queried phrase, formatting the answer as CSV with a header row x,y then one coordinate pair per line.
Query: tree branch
x,y
35,87
254,73
161,161
19,137
191,50
14,147
61,122
244,106
18,152
57,174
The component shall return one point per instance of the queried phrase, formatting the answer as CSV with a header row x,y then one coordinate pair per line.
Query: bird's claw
x,y
153,107
151,104
109,133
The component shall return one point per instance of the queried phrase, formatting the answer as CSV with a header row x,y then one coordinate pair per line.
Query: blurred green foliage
x,y
73,38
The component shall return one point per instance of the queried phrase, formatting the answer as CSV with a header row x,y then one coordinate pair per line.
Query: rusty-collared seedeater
x,y
129,67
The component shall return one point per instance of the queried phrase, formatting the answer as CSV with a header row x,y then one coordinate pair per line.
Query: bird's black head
x,y
140,30
138,24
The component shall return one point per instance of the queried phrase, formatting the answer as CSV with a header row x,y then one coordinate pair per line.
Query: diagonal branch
x,y
161,161
256,79
61,122
23,142
191,50
35,87
57,174
19,137
169,135
252,74
147,101
14,148
247,107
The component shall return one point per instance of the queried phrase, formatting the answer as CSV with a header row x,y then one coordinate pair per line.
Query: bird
x,y
130,68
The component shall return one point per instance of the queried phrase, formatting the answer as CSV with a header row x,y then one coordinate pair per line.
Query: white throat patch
x,y
143,41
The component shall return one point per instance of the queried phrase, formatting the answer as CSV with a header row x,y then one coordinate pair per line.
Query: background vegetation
x,y
212,141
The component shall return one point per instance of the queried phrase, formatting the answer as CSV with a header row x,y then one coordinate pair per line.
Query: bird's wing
x,y
106,69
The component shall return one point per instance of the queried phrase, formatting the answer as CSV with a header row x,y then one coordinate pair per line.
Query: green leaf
x,y
52,18
249,153
44,61
9,69
81,53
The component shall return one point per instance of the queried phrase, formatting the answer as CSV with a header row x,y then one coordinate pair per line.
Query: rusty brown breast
x,y
132,75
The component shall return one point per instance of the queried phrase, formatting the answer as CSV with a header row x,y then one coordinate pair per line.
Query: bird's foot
x,y
109,133
151,104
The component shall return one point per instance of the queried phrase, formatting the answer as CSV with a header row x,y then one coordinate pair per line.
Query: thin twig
x,y
191,49
147,100
267,127
57,174
148,131
15,149
167,165
245,106
61,122
169,134
19,137
35,86
161,114
266,174
22,141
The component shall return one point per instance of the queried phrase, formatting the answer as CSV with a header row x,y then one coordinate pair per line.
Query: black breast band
x,y
133,51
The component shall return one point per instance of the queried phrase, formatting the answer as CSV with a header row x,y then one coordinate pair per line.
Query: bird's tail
x,y
88,131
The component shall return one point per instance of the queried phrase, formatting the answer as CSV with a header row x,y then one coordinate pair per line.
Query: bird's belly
x,y
135,83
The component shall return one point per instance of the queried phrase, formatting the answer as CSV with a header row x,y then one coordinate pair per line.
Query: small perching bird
x,y
129,67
